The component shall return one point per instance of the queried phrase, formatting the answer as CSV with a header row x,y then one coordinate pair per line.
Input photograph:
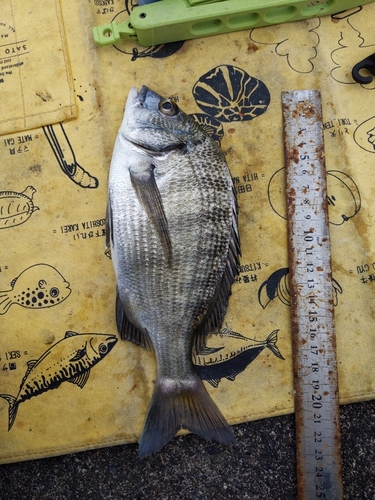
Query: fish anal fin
x,y
128,331
214,382
187,405
81,379
13,408
143,181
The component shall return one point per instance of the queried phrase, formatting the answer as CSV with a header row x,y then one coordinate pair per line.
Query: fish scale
x,y
172,227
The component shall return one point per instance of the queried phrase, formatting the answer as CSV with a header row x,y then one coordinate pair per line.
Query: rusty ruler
x,y
310,277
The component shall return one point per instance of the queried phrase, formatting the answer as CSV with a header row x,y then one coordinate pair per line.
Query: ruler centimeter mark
x,y
319,470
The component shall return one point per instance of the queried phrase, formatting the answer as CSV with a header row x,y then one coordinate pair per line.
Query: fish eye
x,y
103,348
54,292
168,107
42,283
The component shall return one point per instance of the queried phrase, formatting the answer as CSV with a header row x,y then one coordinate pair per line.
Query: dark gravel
x,y
261,465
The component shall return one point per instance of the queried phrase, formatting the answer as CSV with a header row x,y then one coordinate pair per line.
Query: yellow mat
x,y
57,286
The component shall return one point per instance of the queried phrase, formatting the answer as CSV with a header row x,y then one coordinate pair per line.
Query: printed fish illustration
x,y
172,228
16,208
69,360
277,285
37,287
214,363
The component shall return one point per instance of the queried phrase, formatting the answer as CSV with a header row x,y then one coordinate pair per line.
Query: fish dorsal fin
x,y
70,334
219,302
79,355
81,379
143,181
128,331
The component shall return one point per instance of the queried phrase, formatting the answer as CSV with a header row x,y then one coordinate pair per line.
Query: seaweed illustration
x,y
292,41
352,49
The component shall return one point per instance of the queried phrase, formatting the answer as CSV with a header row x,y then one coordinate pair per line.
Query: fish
x,y
68,360
172,228
37,287
214,363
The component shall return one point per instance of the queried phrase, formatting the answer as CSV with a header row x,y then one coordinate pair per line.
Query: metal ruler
x,y
319,473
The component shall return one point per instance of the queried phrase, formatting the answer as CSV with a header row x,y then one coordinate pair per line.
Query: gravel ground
x,y
261,465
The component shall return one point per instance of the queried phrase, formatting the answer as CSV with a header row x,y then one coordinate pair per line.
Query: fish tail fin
x,y
5,302
182,405
271,344
13,408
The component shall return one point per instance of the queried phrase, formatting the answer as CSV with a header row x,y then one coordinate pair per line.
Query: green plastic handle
x,y
167,21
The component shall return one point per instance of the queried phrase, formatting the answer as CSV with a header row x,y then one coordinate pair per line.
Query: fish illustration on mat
x,y
16,208
37,287
214,363
69,360
172,227
277,285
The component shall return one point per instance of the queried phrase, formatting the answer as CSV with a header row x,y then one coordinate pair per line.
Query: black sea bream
x,y
172,229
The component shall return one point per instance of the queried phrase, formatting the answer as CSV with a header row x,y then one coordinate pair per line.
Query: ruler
x,y
319,472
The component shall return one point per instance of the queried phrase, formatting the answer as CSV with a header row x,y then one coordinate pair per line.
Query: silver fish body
x,y
172,229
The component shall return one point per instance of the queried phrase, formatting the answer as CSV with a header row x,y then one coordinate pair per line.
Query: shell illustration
x,y
16,208
344,198
230,94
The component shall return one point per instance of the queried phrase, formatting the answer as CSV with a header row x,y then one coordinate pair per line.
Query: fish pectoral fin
x,y
79,355
128,331
148,194
81,379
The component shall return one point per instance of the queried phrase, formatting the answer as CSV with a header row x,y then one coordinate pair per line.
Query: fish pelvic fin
x,y
271,344
13,408
179,405
5,301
